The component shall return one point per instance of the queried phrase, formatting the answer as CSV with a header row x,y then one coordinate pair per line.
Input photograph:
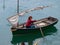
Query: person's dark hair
x,y
29,17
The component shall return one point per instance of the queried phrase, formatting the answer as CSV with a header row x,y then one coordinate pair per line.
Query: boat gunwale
x,y
56,20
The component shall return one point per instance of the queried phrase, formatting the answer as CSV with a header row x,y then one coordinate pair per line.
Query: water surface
x,y
10,9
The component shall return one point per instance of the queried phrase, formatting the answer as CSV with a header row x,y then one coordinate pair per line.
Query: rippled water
x,y
10,9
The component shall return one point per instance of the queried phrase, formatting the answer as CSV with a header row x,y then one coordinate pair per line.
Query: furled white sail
x,y
13,20
33,9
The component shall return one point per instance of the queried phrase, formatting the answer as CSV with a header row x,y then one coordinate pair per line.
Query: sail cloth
x,y
14,19
33,9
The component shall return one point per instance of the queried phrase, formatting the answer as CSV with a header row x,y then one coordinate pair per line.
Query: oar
x,y
42,32
42,36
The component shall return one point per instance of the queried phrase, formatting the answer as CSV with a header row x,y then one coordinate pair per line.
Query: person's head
x,y
30,17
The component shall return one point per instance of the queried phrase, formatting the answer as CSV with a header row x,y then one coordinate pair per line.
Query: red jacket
x,y
29,22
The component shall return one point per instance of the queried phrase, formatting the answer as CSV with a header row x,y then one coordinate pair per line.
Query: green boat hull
x,y
34,35
34,30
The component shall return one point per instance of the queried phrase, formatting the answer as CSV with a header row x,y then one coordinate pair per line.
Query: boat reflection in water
x,y
30,37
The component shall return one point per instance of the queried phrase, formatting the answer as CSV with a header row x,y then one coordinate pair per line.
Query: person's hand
x,y
35,20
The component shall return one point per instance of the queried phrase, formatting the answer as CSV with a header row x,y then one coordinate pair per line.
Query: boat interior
x,y
40,23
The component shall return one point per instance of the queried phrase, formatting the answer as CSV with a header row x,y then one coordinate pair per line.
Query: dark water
x,y
6,36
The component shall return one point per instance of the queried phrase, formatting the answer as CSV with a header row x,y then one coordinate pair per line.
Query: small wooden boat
x,y
42,23
32,36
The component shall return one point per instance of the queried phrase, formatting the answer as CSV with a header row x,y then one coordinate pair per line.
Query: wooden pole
x,y
42,32
17,7
18,10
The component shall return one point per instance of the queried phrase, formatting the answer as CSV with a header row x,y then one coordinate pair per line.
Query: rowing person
x,y
29,23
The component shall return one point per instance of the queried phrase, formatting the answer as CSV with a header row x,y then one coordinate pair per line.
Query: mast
x,y
17,12
17,7
14,19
